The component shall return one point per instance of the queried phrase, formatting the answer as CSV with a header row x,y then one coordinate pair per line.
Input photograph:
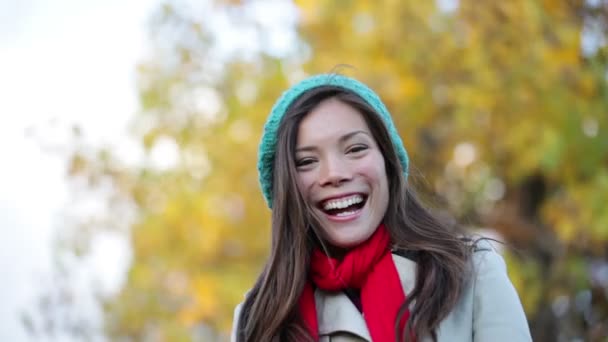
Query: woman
x,y
355,256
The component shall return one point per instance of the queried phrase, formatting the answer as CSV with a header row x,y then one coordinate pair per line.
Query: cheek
x,y
305,181
379,179
375,170
381,183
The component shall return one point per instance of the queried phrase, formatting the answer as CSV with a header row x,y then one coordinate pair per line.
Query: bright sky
x,y
67,62
63,61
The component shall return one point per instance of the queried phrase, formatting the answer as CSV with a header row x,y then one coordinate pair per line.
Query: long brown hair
x,y
270,311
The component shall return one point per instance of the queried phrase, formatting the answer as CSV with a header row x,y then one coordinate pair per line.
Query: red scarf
x,y
368,267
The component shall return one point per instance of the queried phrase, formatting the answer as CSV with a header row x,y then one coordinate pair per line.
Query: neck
x,y
336,252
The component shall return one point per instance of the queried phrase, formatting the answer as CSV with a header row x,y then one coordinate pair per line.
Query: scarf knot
x,y
352,271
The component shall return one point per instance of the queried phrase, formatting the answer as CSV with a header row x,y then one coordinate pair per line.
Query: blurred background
x,y
129,202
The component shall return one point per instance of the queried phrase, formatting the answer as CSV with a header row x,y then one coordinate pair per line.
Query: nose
x,y
334,172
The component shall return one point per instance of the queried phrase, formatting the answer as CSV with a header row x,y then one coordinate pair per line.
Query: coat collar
x,y
336,312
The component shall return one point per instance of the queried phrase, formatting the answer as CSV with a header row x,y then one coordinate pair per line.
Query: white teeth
x,y
345,213
343,203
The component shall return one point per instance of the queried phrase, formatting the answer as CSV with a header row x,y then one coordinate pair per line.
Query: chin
x,y
348,242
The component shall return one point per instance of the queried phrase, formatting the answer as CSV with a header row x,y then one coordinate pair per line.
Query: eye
x,y
357,148
303,162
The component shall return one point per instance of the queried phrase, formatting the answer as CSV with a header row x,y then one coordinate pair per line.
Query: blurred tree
x,y
502,104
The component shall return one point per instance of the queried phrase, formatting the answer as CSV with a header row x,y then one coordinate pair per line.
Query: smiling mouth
x,y
345,206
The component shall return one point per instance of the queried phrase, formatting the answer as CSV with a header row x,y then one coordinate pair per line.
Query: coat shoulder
x,y
497,309
235,319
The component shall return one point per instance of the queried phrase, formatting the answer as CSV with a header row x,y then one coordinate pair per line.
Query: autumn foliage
x,y
502,105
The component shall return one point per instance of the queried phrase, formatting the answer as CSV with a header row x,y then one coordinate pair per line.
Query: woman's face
x,y
341,173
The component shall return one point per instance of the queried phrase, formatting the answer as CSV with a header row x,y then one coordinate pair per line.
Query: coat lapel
x,y
407,273
336,313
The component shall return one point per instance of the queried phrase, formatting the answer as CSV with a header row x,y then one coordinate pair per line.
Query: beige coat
x,y
489,309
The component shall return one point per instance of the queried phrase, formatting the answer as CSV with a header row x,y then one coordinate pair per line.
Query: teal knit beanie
x,y
268,143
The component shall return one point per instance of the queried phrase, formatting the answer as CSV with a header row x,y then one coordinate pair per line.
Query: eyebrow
x,y
342,139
